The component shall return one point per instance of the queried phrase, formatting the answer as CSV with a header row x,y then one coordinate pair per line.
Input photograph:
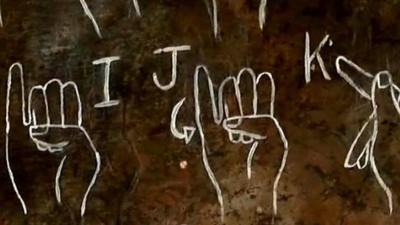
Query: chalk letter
x,y
174,51
107,102
316,54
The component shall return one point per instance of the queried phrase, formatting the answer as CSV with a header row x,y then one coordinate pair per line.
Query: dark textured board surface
x,y
141,181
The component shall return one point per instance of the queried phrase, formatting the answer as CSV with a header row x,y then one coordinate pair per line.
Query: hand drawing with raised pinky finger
x,y
48,121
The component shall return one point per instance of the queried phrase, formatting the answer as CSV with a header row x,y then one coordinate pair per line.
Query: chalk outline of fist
x,y
232,123
221,117
29,119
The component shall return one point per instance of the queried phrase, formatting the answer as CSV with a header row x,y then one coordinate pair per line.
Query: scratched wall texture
x,y
141,181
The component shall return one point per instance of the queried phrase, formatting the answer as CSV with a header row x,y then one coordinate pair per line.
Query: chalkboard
x,y
199,112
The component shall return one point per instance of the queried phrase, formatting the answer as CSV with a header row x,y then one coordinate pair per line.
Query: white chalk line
x,y
91,17
188,132
250,158
57,181
261,13
137,7
93,181
1,16
215,18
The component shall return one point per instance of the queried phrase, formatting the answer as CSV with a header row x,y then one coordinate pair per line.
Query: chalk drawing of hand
x,y
361,152
368,134
255,119
221,106
50,126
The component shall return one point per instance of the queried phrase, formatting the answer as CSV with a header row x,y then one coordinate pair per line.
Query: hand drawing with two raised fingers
x,y
54,120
